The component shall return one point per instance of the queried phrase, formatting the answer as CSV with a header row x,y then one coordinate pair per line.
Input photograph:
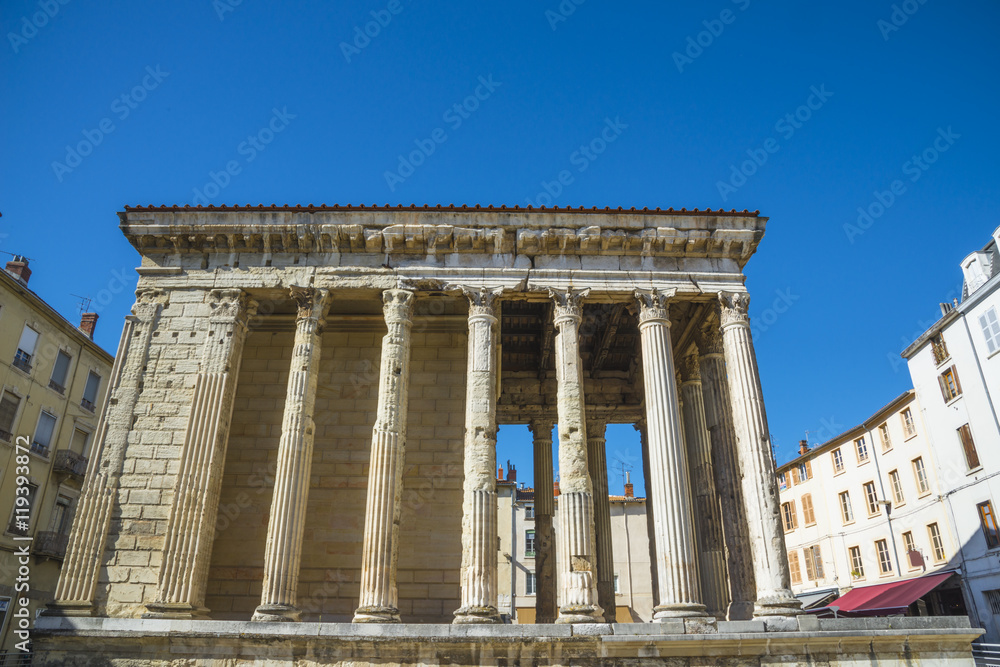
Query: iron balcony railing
x,y
69,462
22,360
50,544
986,655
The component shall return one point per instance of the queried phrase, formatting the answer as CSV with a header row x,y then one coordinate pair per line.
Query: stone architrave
x,y
545,537
188,549
85,551
708,522
597,461
286,524
669,492
380,551
753,445
578,601
728,485
479,523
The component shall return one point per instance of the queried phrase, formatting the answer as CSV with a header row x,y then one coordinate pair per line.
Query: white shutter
x,y
29,338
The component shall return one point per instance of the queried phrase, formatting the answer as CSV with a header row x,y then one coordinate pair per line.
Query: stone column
x,y
708,522
545,537
85,551
379,599
597,461
647,478
669,492
190,529
578,602
719,420
286,524
753,445
479,522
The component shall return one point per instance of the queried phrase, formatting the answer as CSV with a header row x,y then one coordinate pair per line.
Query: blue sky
x,y
164,95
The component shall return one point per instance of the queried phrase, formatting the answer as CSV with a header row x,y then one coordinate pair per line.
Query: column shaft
x,y
597,460
578,601
286,524
545,538
479,523
669,492
719,420
379,599
753,442
190,529
708,522
85,551
647,479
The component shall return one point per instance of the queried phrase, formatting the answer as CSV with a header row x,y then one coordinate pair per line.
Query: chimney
x,y
500,474
18,267
803,447
555,489
629,489
88,322
511,473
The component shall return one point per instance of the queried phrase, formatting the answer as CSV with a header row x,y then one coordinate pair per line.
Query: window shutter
x,y
795,519
958,384
971,455
809,469
944,388
795,475
818,557
810,568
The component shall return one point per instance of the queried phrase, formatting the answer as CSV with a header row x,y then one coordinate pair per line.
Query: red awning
x,y
887,598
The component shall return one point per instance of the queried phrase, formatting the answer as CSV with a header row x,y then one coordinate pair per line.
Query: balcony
x,y
6,436
22,360
55,386
70,463
87,405
50,545
40,449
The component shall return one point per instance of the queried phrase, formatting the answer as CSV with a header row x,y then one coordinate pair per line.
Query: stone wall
x,y
345,412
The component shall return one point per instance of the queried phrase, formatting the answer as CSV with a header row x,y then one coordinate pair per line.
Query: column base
x,y
668,611
176,610
69,608
580,614
777,605
740,611
476,615
376,615
277,613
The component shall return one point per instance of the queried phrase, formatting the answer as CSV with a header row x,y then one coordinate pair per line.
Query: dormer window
x,y
976,268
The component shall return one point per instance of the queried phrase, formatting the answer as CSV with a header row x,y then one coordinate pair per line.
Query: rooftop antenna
x,y
85,302
14,254
623,471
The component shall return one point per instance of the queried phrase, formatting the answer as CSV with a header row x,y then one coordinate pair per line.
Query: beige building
x,y
54,378
867,509
330,380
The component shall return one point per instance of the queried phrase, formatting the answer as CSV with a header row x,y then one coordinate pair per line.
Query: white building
x,y
955,368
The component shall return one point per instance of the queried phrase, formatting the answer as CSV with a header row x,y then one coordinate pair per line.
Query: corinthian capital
x,y
397,306
229,305
482,300
710,339
312,302
654,304
690,368
735,307
149,302
569,304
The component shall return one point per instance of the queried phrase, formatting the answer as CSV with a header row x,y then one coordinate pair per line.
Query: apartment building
x,y
54,379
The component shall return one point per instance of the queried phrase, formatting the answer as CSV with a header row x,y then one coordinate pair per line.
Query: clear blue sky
x,y
210,75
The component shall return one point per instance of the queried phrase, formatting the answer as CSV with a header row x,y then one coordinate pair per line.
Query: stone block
x,y
741,627
701,625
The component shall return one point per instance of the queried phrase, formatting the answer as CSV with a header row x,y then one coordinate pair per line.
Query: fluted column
x,y
578,601
545,537
85,551
708,522
647,478
286,525
719,420
479,522
190,529
669,492
380,551
597,461
753,445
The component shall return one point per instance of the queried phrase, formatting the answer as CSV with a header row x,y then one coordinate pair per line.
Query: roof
x,y
451,208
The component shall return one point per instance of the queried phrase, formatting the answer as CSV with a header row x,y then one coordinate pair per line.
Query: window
x,y
912,555
26,349
897,487
530,584
940,350
991,329
846,511
871,498
937,544
62,517
993,601
793,567
808,515
862,449
814,563
989,523
857,565
529,512
788,515
951,388
529,544
838,460
80,441
909,428
20,517
923,486
805,471
90,391
43,434
793,476
59,372
884,562
883,432
782,482
8,412
969,446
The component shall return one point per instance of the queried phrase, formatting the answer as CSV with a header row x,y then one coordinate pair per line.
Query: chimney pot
x,y
555,489
500,474
88,323
629,491
803,447
18,267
